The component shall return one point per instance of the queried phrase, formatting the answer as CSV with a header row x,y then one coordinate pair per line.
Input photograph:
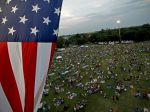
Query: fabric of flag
x,y
28,35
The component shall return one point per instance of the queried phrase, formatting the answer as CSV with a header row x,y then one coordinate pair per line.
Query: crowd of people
x,y
114,73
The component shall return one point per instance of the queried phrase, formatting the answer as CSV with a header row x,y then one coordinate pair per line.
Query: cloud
x,y
90,15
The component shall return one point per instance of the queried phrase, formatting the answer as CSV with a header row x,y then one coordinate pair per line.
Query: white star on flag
x,y
46,20
23,19
47,1
14,9
57,11
11,31
4,20
55,32
0,9
35,8
8,1
34,30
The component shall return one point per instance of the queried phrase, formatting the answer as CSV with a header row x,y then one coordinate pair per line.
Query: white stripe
x,y
4,104
39,99
43,59
15,55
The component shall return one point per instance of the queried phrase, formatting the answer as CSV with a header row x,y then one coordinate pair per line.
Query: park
x,y
99,78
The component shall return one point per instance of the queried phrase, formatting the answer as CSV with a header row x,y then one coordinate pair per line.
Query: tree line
x,y
136,34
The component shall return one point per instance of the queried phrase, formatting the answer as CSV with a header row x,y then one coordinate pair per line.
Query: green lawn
x,y
94,61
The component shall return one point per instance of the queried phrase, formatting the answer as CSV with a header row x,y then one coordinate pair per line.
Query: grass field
x,y
102,67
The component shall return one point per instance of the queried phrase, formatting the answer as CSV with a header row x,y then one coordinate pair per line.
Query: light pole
x,y
118,22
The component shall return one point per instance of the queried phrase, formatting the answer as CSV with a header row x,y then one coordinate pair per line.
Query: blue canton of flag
x,y
29,20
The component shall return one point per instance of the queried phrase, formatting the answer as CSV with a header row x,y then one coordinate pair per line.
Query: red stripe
x,y
29,52
52,53
8,80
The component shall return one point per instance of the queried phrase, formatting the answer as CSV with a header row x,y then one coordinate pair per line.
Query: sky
x,y
80,16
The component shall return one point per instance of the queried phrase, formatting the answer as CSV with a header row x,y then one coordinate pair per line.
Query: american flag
x,y
28,35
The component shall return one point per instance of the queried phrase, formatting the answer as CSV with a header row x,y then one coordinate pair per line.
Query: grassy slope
x,y
102,54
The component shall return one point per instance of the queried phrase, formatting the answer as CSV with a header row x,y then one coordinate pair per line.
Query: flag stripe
x,y
7,79
15,54
41,87
38,97
52,53
43,58
4,104
29,51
